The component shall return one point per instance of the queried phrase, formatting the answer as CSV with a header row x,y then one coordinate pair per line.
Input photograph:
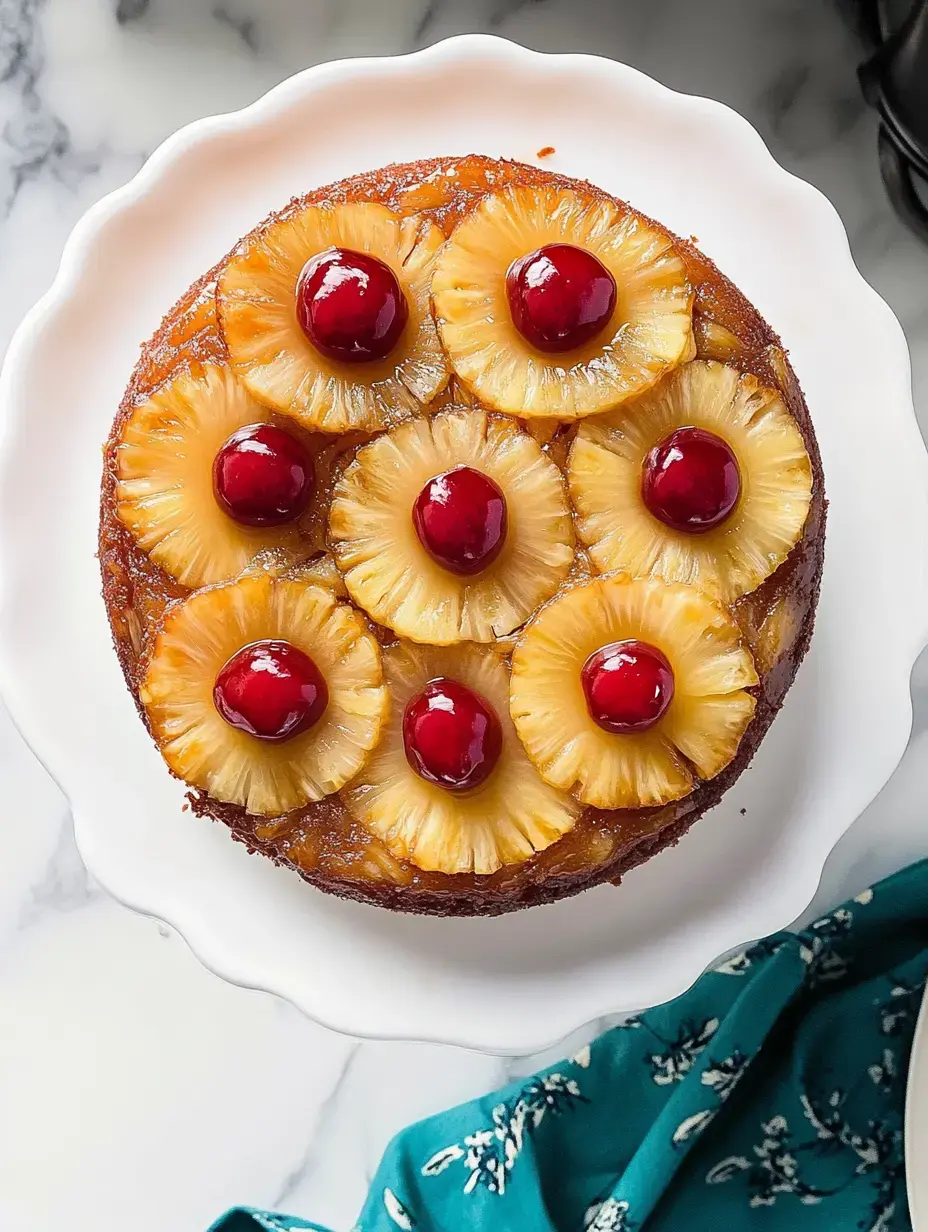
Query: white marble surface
x,y
136,1090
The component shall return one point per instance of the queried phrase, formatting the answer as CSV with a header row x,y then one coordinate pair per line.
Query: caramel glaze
x,y
321,841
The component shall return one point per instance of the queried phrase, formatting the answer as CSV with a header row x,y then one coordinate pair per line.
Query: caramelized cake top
x,y
519,494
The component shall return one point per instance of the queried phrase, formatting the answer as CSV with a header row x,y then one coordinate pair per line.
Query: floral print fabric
x,y
770,1096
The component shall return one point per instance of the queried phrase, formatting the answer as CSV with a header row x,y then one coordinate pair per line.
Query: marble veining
x,y
130,1078
301,1174
64,885
245,27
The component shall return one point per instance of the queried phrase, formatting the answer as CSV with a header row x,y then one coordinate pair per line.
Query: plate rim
x,y
67,280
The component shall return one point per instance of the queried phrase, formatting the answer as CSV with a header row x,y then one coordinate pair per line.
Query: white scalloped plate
x,y
916,1123
517,983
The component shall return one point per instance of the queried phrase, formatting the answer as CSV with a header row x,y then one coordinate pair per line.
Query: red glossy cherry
x,y
461,520
271,690
452,735
691,480
560,297
628,686
350,306
262,476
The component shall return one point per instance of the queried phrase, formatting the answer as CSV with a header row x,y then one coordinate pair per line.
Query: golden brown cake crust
x,y
321,841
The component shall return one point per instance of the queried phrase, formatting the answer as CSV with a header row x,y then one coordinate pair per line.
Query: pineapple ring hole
x,y
271,690
451,735
461,519
561,297
263,476
691,480
350,305
628,686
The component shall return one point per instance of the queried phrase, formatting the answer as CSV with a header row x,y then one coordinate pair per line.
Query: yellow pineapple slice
x,y
164,479
697,735
649,332
322,571
390,573
607,462
202,633
256,299
505,820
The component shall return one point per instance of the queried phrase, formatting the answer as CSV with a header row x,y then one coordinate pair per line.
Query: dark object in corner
x,y
895,82
130,10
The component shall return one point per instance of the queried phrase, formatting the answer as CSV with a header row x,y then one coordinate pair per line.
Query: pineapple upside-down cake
x,y
461,535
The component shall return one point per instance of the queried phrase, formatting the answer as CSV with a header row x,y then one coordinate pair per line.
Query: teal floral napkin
x,y
770,1096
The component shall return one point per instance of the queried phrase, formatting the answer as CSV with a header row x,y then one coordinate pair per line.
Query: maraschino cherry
x,y
461,519
628,686
262,476
350,306
271,690
691,481
560,297
452,735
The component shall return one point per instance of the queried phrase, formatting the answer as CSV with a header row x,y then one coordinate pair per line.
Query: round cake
x,y
461,534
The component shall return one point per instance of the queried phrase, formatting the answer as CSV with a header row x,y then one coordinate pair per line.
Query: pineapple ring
x,y
609,453
387,570
199,636
256,299
506,820
698,735
651,329
164,479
